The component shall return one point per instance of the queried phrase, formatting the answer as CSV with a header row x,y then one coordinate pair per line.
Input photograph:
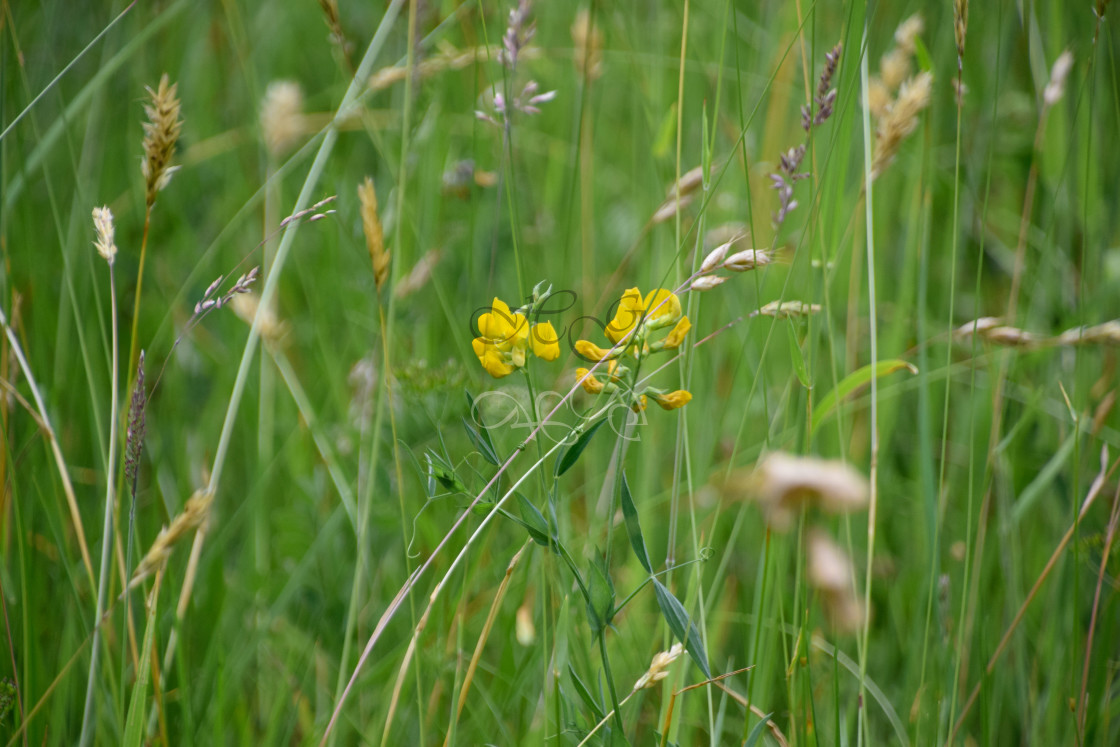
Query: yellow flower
x,y
504,338
546,343
592,352
659,308
591,385
676,337
492,359
662,307
672,400
630,309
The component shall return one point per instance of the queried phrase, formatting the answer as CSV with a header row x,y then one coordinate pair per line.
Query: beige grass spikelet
x,y
161,133
900,120
281,116
194,514
375,235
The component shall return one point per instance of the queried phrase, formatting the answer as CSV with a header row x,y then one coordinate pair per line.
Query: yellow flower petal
x,y
592,352
662,307
673,400
495,365
676,337
591,385
546,343
629,313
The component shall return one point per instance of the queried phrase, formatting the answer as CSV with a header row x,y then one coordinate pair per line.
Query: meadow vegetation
x,y
559,373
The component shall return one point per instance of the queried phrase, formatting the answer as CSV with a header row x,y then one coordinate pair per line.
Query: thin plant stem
x,y
88,715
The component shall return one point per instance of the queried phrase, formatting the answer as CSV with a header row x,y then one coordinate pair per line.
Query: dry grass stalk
x,y
447,59
375,236
282,122
588,43
194,514
103,226
161,132
900,120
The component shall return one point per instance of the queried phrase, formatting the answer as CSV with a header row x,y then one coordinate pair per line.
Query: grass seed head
x,y
103,226
281,116
375,236
900,120
659,667
194,514
161,133
1056,88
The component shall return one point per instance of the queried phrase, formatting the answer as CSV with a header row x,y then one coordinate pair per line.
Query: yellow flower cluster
x,y
505,337
631,329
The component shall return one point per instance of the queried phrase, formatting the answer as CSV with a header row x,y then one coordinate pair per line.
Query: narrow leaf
x,y
633,528
479,442
137,707
683,628
571,454
585,694
756,732
534,520
797,357
483,432
854,381
600,608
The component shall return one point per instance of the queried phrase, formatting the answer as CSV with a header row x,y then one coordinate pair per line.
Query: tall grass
x,y
865,494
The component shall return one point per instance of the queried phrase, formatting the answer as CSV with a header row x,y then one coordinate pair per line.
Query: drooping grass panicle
x,y
900,120
210,302
137,423
103,226
375,235
161,133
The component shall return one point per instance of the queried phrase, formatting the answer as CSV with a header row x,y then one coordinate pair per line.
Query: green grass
x,y
337,455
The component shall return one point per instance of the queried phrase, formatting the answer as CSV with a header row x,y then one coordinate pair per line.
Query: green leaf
x,y
444,473
585,694
851,383
138,704
756,732
798,358
480,438
571,454
633,528
600,608
683,628
534,520
479,442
